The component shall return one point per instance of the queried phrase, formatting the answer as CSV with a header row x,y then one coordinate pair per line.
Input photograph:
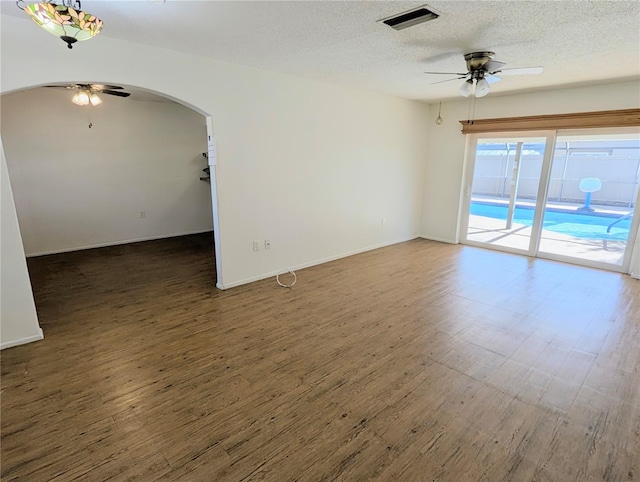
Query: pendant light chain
x,y
439,119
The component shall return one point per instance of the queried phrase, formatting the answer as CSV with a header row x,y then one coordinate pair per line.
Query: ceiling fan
x,y
88,93
482,69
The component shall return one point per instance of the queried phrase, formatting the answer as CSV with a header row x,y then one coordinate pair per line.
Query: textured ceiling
x,y
577,42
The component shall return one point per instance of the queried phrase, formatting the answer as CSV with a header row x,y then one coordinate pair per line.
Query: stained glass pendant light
x,y
65,19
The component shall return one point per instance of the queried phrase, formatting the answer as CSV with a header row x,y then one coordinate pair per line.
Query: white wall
x,y
445,160
77,187
18,319
313,167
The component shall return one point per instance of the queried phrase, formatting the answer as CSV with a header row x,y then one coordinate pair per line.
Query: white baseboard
x,y
316,262
116,243
22,341
440,240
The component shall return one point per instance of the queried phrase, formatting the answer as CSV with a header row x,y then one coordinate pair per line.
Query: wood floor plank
x,y
418,361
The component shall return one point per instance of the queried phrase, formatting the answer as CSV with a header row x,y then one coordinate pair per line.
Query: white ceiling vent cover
x,y
410,18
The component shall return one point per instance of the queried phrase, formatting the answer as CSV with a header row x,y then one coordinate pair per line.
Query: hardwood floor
x,y
416,362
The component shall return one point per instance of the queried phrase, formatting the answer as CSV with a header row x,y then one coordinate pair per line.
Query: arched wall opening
x,y
66,127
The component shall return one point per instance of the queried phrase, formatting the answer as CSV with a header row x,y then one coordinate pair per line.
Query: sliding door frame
x,y
541,200
543,191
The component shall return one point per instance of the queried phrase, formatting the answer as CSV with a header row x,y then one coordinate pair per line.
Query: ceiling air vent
x,y
410,18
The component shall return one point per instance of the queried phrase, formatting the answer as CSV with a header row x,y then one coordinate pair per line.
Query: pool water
x,y
578,225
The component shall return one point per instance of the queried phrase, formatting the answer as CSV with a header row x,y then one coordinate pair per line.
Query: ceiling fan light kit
x,y
94,99
64,19
466,88
482,87
80,98
86,97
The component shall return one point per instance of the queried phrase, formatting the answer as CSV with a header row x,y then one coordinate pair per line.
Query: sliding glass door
x,y
591,198
568,195
503,191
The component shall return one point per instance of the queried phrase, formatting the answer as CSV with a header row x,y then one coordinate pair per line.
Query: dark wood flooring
x,y
416,362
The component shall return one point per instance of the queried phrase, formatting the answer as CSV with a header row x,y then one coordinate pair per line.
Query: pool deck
x,y
493,231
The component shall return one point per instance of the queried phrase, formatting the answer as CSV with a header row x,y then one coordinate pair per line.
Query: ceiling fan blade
x,y
520,71
492,79
449,80
493,65
107,87
446,73
115,92
59,87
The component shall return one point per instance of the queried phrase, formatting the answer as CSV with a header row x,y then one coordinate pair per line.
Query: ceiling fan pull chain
x,y
473,109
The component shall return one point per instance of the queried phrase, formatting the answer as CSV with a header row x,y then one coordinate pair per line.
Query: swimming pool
x,y
576,224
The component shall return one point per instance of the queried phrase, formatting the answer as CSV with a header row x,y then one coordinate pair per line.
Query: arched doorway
x,y
61,126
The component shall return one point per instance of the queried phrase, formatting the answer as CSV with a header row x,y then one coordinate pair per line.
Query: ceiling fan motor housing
x,y
477,60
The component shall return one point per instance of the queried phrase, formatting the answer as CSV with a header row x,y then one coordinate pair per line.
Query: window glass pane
x,y
505,184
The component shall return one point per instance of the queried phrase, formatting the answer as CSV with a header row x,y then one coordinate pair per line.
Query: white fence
x,y
617,165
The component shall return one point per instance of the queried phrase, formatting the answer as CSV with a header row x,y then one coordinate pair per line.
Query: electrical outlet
x,y
256,245
267,244
143,214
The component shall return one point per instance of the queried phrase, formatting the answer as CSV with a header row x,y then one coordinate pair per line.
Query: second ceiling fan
x,y
86,94
482,70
